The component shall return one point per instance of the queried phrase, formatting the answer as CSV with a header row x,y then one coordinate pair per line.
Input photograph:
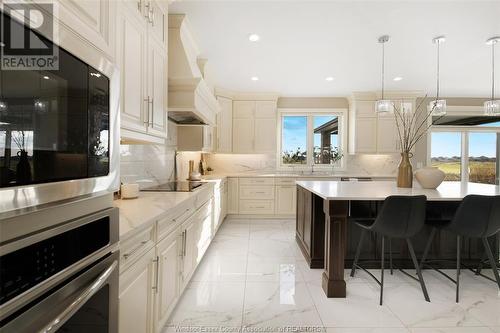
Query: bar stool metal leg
x,y
390,255
458,268
358,251
427,247
382,271
419,271
492,260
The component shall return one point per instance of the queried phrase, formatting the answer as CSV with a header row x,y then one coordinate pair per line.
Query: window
x,y
466,148
310,138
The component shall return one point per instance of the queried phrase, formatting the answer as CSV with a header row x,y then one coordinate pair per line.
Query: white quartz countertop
x,y
379,190
300,175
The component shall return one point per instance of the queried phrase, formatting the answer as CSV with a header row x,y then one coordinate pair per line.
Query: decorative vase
x,y
405,171
429,177
23,168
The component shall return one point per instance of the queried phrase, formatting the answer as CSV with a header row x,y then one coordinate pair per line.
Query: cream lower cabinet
x,y
167,291
286,196
137,295
188,253
232,196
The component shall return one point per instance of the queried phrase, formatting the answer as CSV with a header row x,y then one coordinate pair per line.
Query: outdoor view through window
x,y
481,161
296,135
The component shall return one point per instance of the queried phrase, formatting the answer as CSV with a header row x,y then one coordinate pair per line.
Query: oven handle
x,y
79,301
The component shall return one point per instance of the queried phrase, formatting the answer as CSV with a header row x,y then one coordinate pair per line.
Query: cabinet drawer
x,y
256,206
257,181
285,181
134,247
177,216
205,194
256,192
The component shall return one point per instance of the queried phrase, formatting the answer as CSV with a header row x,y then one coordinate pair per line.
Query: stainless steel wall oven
x,y
62,279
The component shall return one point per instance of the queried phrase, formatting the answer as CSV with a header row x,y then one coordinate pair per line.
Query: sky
x,y
448,144
295,131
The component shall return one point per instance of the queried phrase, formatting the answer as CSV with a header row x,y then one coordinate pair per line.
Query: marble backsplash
x,y
361,164
149,165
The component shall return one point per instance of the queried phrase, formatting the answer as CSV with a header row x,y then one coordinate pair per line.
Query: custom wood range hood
x,y
190,99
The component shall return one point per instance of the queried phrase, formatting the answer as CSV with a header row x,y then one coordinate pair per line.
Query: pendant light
x,y
492,107
383,105
438,106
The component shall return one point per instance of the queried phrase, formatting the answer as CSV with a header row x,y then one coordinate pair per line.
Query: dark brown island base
x,y
328,238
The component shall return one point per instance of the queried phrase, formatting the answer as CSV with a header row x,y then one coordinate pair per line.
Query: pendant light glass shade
x,y
3,106
438,106
492,107
383,105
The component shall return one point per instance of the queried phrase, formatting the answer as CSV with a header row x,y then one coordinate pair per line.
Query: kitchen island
x,y
327,239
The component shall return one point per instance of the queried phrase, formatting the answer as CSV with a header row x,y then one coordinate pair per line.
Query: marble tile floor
x,y
253,278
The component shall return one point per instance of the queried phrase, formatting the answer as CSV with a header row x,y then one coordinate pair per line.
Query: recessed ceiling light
x,y
253,37
254,78
398,78
330,78
46,77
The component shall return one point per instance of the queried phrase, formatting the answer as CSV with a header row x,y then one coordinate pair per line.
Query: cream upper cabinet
x,y
168,277
136,296
387,135
158,20
366,135
265,135
254,126
243,109
374,133
142,58
243,135
132,58
286,199
157,88
224,143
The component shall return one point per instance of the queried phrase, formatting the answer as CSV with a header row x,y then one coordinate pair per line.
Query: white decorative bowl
x,y
429,177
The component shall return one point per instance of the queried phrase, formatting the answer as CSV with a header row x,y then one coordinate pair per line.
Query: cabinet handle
x,y
152,102
148,11
157,271
184,243
127,255
146,122
152,16
139,5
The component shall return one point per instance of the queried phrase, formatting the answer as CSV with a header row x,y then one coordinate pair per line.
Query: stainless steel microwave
x,y
58,127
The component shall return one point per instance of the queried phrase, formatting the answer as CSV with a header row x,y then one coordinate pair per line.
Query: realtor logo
x,y
27,36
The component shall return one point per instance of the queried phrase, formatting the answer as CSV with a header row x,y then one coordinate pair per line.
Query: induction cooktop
x,y
180,186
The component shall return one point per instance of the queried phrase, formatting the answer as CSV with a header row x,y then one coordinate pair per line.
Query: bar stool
x,y
400,217
478,216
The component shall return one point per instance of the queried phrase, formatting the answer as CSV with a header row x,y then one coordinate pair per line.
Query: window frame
x,y
342,115
464,131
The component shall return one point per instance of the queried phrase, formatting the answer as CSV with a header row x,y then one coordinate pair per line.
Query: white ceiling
x,y
303,42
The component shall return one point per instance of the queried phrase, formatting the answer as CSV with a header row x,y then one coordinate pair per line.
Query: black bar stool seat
x,y
400,217
478,216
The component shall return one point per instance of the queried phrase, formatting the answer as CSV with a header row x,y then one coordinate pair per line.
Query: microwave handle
x,y
80,300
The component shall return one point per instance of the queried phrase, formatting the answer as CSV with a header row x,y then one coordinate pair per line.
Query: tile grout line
x,y
245,285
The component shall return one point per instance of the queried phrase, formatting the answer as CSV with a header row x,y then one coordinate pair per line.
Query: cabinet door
x,y
189,250
168,277
243,109
157,21
225,126
136,296
265,135
387,135
243,135
208,139
366,135
233,196
286,199
157,88
265,109
131,56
